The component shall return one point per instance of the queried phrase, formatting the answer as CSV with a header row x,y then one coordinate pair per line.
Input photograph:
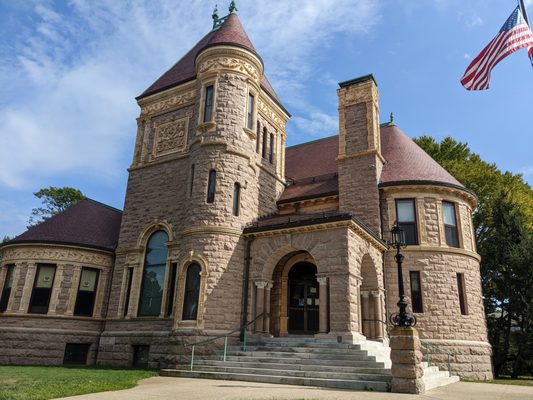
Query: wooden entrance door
x,y
303,299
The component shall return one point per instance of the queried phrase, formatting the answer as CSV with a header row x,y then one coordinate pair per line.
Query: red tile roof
x,y
311,168
231,32
87,223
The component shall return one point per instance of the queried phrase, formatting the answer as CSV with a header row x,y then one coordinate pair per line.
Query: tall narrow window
x,y
250,112
416,291
6,291
192,291
171,289
153,275
265,138
271,149
258,138
86,292
42,289
211,186
208,104
192,180
406,217
462,294
129,277
236,198
450,224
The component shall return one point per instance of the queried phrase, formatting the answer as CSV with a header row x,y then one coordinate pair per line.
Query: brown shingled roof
x,y
407,162
87,224
231,32
311,168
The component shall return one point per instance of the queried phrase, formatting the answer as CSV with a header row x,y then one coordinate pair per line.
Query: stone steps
x,y
305,361
280,379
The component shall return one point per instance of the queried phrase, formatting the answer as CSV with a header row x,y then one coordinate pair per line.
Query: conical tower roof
x,y
229,33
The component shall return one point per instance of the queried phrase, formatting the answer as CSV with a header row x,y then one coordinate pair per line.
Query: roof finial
x,y
215,15
232,7
391,122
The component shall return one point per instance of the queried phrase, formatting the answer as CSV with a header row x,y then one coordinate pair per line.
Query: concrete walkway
x,y
161,388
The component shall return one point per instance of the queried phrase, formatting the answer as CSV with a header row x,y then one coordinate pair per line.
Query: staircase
x,y
304,361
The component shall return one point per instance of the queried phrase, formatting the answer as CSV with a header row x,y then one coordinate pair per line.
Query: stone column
x,y
365,313
406,357
73,292
28,286
378,325
283,319
323,305
259,304
266,318
56,289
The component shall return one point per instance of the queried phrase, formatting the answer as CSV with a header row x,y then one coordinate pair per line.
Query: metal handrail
x,y
225,336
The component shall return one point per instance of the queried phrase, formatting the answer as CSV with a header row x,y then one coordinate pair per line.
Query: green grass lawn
x,y
40,383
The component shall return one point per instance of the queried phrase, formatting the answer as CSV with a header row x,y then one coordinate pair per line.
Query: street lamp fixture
x,y
401,318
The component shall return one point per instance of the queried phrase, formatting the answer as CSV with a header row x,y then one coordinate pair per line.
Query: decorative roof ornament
x,y
232,7
391,122
215,16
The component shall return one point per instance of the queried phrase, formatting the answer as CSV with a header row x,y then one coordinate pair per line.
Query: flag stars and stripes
x,y
514,35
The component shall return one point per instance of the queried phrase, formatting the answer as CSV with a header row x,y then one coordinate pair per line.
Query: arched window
x,y
211,185
192,291
265,138
271,152
153,275
236,198
258,138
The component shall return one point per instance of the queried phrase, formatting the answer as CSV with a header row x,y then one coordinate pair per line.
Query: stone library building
x,y
227,234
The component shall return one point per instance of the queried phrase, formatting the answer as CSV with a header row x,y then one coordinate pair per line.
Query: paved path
x,y
162,388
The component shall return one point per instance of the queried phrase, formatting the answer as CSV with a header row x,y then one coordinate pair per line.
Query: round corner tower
x,y
441,266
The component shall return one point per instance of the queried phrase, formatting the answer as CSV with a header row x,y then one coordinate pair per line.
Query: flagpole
x,y
523,9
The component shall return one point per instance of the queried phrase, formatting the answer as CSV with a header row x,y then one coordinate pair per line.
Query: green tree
x,y
503,224
4,240
55,200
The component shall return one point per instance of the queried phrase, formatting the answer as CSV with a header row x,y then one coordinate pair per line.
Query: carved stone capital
x,y
322,280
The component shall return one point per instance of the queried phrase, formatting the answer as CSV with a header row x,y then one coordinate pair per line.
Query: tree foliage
x,y
55,200
503,224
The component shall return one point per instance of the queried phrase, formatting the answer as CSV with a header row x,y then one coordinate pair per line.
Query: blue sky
x,y
69,72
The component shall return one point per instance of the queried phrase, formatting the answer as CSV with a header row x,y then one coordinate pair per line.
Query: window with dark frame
x,y
450,224
258,138
271,149
42,289
192,180
236,198
265,138
171,289
153,277
76,353
208,103
86,292
211,186
406,219
416,292
129,277
6,290
192,292
462,294
250,112
141,355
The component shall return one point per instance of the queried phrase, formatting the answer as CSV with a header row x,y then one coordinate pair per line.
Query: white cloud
x,y
318,123
69,80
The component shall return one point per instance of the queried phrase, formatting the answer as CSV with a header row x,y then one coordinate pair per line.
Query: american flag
x,y
514,35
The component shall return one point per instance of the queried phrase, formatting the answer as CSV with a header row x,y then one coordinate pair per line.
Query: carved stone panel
x,y
171,136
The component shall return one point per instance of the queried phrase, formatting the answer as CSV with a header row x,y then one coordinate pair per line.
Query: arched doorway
x,y
303,299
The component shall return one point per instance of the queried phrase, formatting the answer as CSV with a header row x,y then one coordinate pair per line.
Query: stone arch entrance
x,y
371,301
295,300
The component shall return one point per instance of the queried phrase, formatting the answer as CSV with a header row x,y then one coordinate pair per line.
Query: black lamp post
x,y
401,318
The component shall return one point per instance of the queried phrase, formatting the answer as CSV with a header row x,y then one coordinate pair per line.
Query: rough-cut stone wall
x,y
442,327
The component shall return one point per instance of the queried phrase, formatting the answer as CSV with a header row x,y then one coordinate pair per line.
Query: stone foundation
x,y
468,359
